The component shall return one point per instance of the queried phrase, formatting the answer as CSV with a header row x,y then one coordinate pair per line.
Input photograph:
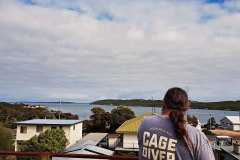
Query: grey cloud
x,y
50,53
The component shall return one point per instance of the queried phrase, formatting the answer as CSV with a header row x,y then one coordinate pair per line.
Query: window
x,y
39,128
23,129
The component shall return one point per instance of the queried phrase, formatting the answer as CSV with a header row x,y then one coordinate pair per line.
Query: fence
x,y
48,156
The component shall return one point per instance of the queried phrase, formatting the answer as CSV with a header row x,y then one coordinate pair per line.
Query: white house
x,y
27,129
231,123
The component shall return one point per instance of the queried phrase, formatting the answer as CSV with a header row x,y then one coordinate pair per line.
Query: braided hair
x,y
176,99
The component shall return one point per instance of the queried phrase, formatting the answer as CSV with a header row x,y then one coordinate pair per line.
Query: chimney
x,y
236,147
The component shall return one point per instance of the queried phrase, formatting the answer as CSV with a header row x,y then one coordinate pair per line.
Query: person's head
x,y
175,99
175,103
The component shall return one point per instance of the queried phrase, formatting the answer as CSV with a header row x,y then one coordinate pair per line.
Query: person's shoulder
x,y
193,130
149,118
155,117
196,134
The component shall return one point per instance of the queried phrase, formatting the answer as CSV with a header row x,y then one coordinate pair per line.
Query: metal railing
x,y
48,155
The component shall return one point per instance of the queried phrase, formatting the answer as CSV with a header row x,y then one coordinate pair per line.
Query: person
x,y
168,136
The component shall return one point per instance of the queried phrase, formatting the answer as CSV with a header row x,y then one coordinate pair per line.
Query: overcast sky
x,y
85,50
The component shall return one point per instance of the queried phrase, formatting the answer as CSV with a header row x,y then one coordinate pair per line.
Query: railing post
x,y
45,156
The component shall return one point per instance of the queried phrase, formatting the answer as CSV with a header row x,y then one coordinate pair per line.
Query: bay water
x,y
83,110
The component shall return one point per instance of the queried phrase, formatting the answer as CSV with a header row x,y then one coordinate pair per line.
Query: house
x,y
231,123
27,129
129,131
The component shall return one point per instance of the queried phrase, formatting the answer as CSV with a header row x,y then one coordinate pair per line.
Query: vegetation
x,y
211,124
132,102
119,115
6,139
102,121
224,105
53,140
11,113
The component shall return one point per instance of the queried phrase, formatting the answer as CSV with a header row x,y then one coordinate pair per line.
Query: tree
x,y
53,140
6,139
100,119
119,115
211,123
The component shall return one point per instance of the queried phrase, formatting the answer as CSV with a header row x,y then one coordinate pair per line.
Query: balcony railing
x,y
48,156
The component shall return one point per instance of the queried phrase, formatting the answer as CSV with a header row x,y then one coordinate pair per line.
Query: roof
x,y
223,137
132,125
79,145
97,137
229,150
88,149
50,122
233,119
89,139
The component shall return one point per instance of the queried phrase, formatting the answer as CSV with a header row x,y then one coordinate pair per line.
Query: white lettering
x,y
162,142
153,141
162,153
149,153
172,144
144,152
170,156
145,142
155,154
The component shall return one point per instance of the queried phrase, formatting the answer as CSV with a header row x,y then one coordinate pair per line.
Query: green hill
x,y
223,105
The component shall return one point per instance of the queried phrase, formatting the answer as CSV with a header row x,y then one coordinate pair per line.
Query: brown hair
x,y
176,99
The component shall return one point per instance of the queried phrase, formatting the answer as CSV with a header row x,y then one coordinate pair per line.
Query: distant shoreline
x,y
223,105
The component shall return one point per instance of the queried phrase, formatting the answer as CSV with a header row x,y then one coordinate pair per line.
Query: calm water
x,y
84,110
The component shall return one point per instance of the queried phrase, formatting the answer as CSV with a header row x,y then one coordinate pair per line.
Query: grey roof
x,y
50,122
79,145
91,138
99,150
88,149
229,150
97,137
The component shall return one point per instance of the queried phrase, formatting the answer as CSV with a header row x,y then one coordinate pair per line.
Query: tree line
x,y
223,105
11,113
